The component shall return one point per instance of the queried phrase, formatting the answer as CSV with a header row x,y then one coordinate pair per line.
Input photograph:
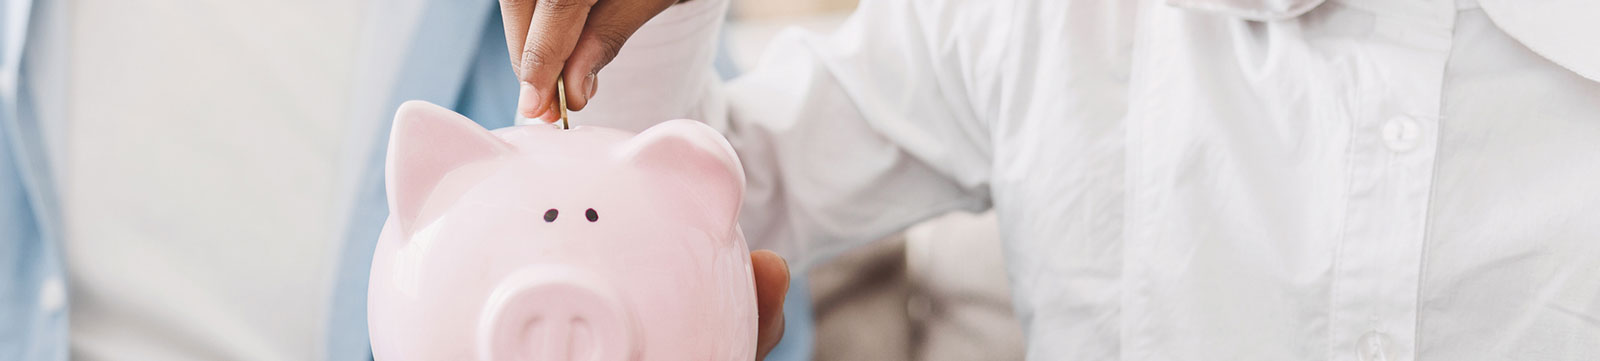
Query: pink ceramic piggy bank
x,y
537,243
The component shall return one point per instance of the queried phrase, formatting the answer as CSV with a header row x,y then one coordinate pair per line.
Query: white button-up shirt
x,y
1190,179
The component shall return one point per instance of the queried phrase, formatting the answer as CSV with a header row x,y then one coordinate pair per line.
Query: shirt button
x,y
1373,346
52,295
1400,133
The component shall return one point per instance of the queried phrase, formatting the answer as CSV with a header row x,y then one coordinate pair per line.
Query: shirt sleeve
x,y
845,138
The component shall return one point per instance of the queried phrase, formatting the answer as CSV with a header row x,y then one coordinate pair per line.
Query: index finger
x,y
553,31
515,15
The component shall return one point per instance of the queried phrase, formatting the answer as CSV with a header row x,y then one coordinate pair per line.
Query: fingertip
x,y
580,89
774,270
783,277
529,103
764,256
591,83
549,115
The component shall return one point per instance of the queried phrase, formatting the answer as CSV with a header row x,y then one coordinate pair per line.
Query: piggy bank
x,y
537,243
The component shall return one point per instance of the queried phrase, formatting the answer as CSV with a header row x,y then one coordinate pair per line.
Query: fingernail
x,y
528,102
549,115
590,85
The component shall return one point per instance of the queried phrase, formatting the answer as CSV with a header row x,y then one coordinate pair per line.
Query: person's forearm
x,y
844,138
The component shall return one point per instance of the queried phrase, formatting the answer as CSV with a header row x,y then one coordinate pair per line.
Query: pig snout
x,y
555,313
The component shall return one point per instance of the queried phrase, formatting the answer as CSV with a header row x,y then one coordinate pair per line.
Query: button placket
x,y
1400,133
1373,346
1378,274
1391,156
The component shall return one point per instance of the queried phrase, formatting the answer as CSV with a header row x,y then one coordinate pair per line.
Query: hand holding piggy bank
x,y
536,243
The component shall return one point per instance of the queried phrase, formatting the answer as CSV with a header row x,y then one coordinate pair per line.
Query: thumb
x,y
613,22
772,285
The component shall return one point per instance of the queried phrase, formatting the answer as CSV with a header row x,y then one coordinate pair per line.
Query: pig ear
x,y
427,142
698,164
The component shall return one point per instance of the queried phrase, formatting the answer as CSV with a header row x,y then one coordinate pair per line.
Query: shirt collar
x,y
1562,31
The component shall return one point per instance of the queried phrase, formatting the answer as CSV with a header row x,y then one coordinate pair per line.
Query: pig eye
x,y
550,215
591,215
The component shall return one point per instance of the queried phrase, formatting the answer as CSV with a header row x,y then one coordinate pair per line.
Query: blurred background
x,y
937,292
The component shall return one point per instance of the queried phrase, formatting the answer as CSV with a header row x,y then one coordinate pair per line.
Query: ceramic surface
x,y
537,243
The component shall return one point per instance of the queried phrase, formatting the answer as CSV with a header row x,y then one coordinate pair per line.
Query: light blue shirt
x,y
455,57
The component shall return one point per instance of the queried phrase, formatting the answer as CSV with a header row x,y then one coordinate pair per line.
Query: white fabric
x,y
1251,9
198,175
1546,25
1369,180
960,302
